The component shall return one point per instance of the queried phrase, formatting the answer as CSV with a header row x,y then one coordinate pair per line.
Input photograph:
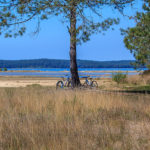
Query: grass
x,y
41,118
144,88
138,83
139,80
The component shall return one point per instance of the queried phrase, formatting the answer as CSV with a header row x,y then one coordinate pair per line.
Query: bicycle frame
x,y
66,81
88,82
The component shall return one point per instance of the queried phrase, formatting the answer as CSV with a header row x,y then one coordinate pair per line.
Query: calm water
x,y
80,69
60,72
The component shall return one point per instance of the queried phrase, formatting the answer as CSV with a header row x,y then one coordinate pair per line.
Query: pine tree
x,y
15,13
137,39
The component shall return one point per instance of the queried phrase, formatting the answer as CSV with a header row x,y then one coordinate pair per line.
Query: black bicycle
x,y
65,82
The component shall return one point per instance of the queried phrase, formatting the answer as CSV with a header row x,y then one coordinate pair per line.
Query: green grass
x,y
142,88
138,88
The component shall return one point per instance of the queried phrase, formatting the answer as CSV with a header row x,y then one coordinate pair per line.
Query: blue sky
x,y
53,42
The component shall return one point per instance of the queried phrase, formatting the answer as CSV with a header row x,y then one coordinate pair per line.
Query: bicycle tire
x,y
70,85
94,84
59,85
85,85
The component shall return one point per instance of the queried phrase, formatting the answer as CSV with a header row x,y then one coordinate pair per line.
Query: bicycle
x,y
89,83
65,82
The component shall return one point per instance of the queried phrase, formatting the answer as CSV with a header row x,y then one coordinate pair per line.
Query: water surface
x,y
62,72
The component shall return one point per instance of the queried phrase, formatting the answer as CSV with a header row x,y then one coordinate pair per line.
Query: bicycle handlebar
x,y
65,76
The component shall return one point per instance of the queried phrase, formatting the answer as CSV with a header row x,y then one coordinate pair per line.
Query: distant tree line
x,y
56,63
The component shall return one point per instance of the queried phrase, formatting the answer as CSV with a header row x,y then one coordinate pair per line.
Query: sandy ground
x,y
104,83
25,81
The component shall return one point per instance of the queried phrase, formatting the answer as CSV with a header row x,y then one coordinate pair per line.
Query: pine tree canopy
x,y
14,14
137,39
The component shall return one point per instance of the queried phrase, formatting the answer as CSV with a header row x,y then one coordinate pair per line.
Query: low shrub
x,y
119,77
5,69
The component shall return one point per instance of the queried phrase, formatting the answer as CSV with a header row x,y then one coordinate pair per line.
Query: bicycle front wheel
x,y
59,85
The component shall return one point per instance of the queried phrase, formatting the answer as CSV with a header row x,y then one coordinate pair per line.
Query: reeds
x,y
37,118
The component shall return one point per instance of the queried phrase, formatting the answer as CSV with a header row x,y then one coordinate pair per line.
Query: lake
x,y
62,72
67,69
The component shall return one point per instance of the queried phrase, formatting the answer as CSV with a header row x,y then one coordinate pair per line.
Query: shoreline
x,y
102,71
62,74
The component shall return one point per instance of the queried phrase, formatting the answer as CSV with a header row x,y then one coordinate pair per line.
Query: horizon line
x,y
64,59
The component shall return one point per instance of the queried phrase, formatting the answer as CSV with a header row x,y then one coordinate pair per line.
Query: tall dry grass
x,y
139,79
36,118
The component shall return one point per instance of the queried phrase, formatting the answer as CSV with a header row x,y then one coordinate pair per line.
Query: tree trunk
x,y
73,61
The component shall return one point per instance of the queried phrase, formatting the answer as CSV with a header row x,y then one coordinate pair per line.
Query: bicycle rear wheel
x,y
70,85
94,84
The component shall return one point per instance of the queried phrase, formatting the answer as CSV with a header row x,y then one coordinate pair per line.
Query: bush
x,y
0,69
119,77
5,69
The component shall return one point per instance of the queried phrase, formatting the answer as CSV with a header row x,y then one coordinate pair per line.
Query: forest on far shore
x,y
57,63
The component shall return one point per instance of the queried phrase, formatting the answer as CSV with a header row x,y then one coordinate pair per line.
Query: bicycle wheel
x,y
70,85
85,85
59,85
94,84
